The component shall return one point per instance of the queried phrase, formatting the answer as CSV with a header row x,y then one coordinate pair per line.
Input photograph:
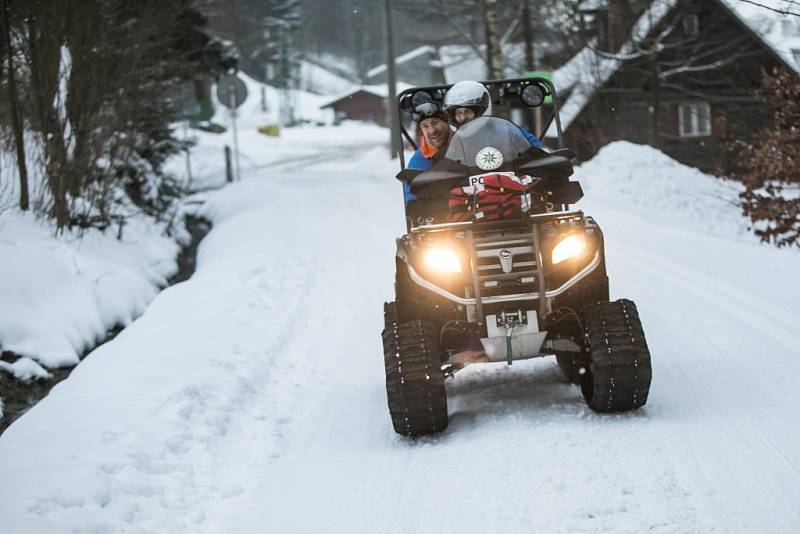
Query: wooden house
x,y
683,79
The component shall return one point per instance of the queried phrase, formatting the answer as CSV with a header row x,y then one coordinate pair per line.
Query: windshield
x,y
503,135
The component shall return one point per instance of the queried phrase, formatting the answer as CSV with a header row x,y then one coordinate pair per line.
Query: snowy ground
x,y
260,154
61,295
251,397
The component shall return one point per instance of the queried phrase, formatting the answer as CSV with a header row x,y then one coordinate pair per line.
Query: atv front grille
x,y
505,261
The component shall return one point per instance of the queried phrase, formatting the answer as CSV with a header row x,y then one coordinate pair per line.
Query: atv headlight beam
x,y
569,247
442,260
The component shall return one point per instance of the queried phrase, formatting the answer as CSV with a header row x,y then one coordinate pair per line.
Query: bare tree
x,y
97,82
474,23
16,116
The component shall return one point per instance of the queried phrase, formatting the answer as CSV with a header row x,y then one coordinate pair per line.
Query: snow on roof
x,y
408,56
379,90
462,62
779,32
317,79
592,5
587,70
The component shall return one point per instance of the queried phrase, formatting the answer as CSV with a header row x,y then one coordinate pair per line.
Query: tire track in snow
x,y
276,414
719,427
680,279
680,354
775,326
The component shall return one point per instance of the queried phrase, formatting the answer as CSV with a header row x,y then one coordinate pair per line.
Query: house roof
x,y
408,56
587,70
462,62
592,5
779,32
379,90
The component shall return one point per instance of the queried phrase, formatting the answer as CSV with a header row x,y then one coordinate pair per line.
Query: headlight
x,y
569,247
442,260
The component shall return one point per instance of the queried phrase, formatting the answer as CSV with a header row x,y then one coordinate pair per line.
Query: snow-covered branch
x,y
791,11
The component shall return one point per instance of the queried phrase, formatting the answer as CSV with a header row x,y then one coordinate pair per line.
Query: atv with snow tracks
x,y
516,275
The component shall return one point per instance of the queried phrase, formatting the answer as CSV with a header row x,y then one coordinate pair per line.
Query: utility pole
x,y
527,32
530,59
285,67
391,104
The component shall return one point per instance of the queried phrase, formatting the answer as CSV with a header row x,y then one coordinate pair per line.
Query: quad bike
x,y
512,288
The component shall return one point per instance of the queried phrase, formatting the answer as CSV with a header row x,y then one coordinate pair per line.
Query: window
x,y
694,119
691,25
796,56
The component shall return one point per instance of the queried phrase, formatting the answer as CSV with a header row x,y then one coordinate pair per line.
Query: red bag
x,y
491,197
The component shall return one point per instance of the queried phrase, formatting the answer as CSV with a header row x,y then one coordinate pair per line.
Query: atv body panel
x,y
526,286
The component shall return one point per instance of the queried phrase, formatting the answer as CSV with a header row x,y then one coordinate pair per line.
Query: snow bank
x,y
133,434
60,295
647,182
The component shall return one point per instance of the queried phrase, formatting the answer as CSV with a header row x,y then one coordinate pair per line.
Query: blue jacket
x,y
532,139
418,162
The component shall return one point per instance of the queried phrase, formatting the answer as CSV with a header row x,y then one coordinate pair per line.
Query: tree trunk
x,y
655,103
494,56
16,119
45,38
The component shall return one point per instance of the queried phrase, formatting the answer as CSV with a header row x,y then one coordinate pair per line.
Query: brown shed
x,y
363,103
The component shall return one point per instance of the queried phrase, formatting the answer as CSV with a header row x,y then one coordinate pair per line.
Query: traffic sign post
x,y
232,92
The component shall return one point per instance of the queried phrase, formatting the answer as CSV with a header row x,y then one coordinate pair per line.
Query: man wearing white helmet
x,y
468,100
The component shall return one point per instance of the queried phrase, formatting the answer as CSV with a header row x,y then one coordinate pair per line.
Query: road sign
x,y
231,91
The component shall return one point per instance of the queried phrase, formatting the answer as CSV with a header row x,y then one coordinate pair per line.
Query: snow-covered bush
x,y
771,165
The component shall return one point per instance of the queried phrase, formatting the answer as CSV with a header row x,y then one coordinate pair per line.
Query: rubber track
x,y
620,373
414,380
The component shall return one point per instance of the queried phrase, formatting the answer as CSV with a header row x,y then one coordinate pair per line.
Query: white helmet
x,y
467,94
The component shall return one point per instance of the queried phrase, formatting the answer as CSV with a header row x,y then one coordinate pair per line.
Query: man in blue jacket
x,y
433,135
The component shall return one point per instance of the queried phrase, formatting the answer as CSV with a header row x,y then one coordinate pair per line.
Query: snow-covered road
x,y
251,397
